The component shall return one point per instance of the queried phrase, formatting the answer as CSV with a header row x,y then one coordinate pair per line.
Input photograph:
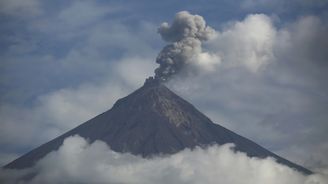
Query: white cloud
x,y
77,20
80,162
92,12
5,158
19,127
246,43
20,8
58,111
281,6
304,42
300,153
89,70
282,103
207,61
133,71
67,108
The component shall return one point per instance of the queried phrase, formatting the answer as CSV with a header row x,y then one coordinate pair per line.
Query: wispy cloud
x,y
20,8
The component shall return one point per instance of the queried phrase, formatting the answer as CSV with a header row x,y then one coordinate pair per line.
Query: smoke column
x,y
185,36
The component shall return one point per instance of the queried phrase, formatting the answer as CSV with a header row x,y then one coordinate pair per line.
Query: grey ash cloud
x,y
185,36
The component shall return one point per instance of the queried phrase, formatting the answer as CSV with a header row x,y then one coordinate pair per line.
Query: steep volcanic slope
x,y
152,120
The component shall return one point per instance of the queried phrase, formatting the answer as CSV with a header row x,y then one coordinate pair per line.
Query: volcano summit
x,y
149,122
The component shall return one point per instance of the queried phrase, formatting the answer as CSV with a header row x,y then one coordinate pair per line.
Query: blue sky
x,y
64,62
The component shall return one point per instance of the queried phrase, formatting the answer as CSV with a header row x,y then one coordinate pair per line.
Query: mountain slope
x,y
150,121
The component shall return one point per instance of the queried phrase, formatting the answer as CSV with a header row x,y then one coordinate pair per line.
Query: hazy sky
x,y
64,62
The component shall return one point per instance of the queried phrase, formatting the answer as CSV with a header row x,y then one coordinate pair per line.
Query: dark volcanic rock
x,y
150,121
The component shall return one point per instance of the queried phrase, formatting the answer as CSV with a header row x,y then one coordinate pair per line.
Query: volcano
x,y
153,121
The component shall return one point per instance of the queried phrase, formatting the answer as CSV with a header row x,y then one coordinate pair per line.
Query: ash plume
x,y
185,36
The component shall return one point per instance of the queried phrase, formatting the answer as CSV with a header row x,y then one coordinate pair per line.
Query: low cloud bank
x,y
78,161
